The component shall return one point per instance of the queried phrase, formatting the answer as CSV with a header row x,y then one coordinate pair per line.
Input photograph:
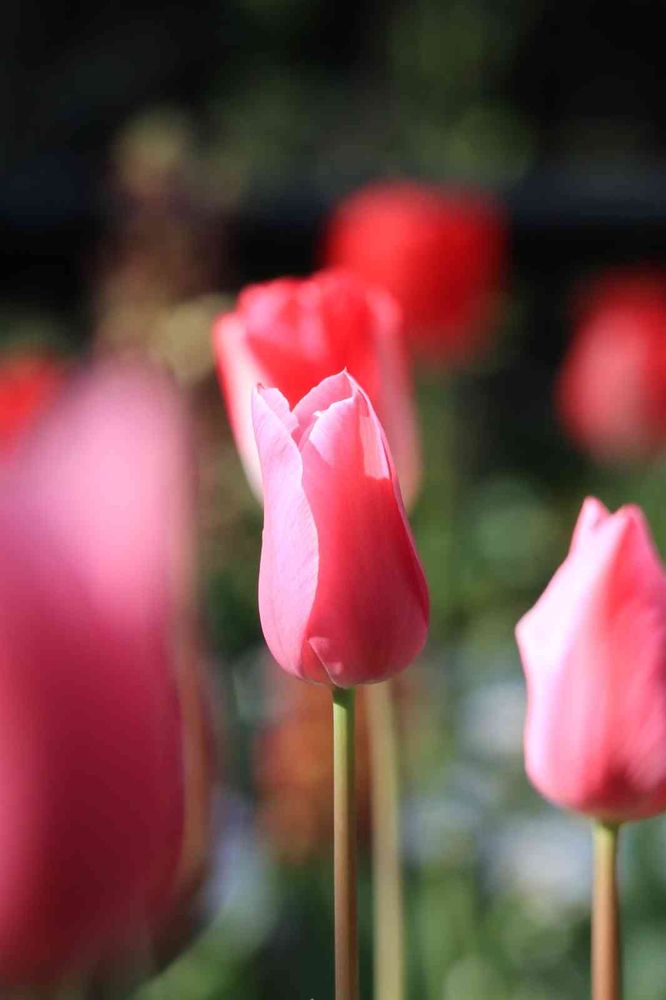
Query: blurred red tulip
x,y
441,253
100,700
292,333
28,382
342,596
611,393
594,652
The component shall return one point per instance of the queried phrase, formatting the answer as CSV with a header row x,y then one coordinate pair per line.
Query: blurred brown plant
x,y
294,766
162,257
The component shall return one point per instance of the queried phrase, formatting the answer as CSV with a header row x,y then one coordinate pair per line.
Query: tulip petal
x,y
93,514
594,650
331,390
289,553
293,333
369,618
239,371
593,514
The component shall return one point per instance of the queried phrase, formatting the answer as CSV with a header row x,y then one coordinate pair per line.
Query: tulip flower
x,y
440,252
611,392
292,333
594,652
342,596
101,735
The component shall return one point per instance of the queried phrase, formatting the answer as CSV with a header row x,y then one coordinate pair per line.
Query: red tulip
x,y
28,382
342,595
95,690
611,393
292,333
594,652
440,253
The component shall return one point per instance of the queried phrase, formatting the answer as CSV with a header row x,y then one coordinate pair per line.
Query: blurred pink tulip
x,y
292,333
594,652
342,595
97,680
611,391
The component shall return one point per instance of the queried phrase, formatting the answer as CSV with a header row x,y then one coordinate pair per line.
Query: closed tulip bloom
x,y
342,596
611,392
292,333
594,653
441,253
100,701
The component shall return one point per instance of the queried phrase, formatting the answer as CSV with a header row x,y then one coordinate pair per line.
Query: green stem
x,y
344,806
389,951
606,949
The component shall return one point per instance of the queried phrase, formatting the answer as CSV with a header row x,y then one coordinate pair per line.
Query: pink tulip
x,y
342,595
292,333
594,652
611,390
96,678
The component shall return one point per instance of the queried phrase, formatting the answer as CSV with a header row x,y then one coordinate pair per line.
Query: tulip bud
x,y
342,596
292,333
594,653
101,722
440,253
611,393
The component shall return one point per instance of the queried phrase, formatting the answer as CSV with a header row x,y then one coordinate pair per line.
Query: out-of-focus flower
x,y
342,596
293,333
28,383
611,393
594,652
441,253
104,739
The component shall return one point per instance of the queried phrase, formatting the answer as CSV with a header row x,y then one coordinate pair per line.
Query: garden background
x,y
156,158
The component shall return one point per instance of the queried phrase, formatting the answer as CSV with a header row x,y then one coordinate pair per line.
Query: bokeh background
x,y
156,158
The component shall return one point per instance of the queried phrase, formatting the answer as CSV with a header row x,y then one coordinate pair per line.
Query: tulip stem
x,y
387,895
344,805
606,949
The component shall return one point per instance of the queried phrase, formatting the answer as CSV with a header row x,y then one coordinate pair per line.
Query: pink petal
x,y
94,538
239,370
369,619
330,390
594,651
593,514
292,334
289,554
